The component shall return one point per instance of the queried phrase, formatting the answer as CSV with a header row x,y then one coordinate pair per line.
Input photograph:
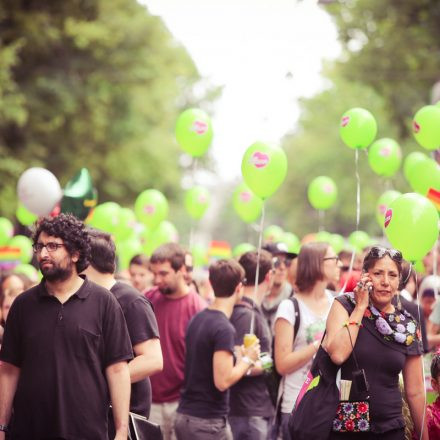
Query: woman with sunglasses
x,y
386,341
318,264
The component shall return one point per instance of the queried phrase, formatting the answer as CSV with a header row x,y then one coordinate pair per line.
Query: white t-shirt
x,y
311,328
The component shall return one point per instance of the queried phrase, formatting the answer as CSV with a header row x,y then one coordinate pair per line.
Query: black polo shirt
x,y
62,351
142,326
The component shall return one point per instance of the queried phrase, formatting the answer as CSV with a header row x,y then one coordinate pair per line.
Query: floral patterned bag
x,y
352,417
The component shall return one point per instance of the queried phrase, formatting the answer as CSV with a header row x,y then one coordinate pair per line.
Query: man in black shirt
x,y
251,406
66,346
209,363
139,316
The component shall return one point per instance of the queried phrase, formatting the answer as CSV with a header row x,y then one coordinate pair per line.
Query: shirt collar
x,y
83,292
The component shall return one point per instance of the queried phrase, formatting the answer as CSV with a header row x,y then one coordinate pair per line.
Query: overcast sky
x,y
266,54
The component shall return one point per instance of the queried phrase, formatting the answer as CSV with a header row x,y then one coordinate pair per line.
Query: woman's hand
x,y
361,292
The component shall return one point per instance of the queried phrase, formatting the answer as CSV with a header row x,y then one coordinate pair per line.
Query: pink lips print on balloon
x,y
245,196
382,209
385,152
259,159
149,209
327,189
345,120
416,127
200,127
202,199
388,216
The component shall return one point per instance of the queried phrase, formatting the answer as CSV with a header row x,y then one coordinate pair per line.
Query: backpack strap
x,y
297,316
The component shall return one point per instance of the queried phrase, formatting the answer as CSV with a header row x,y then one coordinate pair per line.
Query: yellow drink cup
x,y
249,339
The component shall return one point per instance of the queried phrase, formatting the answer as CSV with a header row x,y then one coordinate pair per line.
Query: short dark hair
x,y
103,251
140,260
224,276
376,253
249,263
73,233
406,274
310,261
171,252
435,366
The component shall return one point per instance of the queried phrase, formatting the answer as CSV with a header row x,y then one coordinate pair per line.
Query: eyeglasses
x,y
277,261
50,247
336,258
380,252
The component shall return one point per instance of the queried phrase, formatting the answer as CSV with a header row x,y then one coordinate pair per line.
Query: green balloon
x,y
79,195
264,168
126,224
194,131
242,248
6,230
385,157
383,203
419,267
292,242
337,242
426,127
322,193
200,255
425,175
126,250
197,200
411,225
105,217
24,216
24,244
358,128
151,207
411,160
359,240
246,204
273,234
323,236
30,271
166,232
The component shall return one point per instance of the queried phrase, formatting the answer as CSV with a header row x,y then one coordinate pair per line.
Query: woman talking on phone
x,y
374,341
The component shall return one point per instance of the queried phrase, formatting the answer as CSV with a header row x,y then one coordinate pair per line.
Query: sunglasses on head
x,y
380,252
277,261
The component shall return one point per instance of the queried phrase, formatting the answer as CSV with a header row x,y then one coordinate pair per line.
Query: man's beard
x,y
57,273
167,290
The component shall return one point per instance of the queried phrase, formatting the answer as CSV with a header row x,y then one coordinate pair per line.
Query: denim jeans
x,y
195,428
249,428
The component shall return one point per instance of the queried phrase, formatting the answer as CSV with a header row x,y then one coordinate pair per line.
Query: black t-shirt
x,y
142,326
62,351
249,396
208,331
382,362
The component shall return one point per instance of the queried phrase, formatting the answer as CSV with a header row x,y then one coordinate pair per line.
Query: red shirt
x,y
172,317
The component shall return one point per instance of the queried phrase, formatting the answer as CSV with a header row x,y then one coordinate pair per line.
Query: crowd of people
x,y
222,359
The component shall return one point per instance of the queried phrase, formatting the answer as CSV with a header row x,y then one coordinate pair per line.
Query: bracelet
x,y
347,323
4,428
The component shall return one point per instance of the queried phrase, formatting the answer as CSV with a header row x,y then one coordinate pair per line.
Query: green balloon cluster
x,y
194,132
411,225
383,204
426,127
410,161
6,231
151,208
358,128
246,204
359,240
425,175
322,193
337,242
385,157
196,201
292,242
24,244
166,232
323,236
24,216
273,234
105,217
264,168
200,255
126,224
241,249
126,250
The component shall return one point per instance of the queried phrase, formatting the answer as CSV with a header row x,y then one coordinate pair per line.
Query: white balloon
x,y
39,190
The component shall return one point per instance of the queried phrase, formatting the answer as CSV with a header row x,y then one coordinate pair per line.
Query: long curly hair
x,y
73,233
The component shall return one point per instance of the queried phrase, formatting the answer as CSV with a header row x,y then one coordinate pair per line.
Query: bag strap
x,y
352,347
297,317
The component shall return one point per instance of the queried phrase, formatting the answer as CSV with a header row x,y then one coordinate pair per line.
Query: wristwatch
x,y
4,428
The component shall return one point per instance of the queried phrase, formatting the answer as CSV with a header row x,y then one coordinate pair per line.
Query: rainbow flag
x,y
434,196
219,249
9,257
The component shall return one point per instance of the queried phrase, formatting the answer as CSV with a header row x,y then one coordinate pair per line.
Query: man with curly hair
x,y
66,346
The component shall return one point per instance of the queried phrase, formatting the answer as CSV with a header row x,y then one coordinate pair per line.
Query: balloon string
x,y
257,270
321,219
358,215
